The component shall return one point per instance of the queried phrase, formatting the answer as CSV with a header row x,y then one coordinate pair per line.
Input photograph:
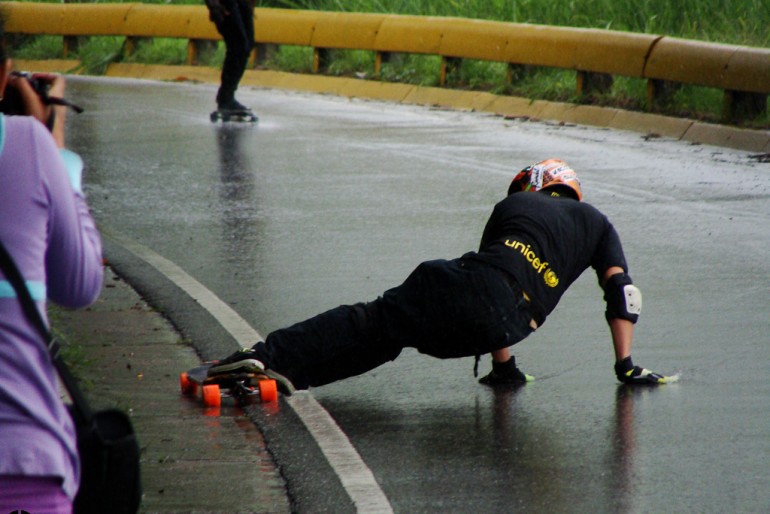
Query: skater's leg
x,y
340,343
446,309
237,30
456,308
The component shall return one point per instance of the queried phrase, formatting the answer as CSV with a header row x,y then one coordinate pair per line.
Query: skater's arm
x,y
622,330
622,336
621,323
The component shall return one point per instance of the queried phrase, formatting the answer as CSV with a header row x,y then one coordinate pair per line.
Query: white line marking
x,y
223,313
355,475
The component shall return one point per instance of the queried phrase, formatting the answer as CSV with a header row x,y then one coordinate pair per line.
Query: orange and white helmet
x,y
545,174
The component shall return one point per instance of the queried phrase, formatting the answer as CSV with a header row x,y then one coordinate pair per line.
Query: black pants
x,y
446,309
237,30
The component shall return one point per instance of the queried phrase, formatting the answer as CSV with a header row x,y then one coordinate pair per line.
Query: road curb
x,y
610,117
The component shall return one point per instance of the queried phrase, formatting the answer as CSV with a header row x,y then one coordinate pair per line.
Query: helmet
x,y
545,174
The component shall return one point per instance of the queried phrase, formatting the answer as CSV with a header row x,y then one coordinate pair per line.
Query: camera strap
x,y
13,275
53,100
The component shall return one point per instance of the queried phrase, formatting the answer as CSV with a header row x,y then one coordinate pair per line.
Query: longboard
x,y
239,385
239,116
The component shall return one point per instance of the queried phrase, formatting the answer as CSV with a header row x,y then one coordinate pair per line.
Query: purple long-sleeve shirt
x,y
46,227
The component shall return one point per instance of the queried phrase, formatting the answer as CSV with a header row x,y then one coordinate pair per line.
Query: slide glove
x,y
505,373
635,375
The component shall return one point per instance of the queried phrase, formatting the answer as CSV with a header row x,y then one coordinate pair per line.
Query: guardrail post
x,y
660,92
263,52
129,46
740,105
380,58
516,72
589,83
251,62
321,59
192,52
69,44
448,65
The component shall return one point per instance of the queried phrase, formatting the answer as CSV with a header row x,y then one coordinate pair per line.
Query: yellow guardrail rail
x,y
743,73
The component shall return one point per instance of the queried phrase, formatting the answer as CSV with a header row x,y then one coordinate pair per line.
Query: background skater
x,y
234,20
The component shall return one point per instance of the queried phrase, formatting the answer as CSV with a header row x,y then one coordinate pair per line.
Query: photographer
x,y
48,231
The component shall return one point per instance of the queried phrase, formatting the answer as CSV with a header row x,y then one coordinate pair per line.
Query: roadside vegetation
x,y
741,22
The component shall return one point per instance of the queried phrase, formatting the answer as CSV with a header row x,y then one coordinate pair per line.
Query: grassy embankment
x,y
742,22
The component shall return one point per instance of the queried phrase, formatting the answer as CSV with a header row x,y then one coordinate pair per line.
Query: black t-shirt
x,y
546,242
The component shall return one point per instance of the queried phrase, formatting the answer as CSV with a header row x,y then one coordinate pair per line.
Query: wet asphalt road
x,y
329,201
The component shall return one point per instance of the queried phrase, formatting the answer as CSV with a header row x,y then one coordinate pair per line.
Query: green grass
x,y
742,22
166,50
72,352
294,59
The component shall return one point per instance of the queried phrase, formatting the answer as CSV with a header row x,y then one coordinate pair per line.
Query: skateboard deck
x,y
239,385
240,116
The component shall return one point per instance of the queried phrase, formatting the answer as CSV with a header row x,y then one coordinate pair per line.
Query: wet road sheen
x,y
329,201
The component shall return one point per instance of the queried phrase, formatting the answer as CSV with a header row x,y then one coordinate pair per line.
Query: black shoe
x,y
505,373
233,105
246,361
284,384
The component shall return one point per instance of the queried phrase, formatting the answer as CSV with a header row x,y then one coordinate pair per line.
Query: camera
x,y
40,87
13,104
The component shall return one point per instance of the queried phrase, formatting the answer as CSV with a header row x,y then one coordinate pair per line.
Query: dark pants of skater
x,y
237,30
446,309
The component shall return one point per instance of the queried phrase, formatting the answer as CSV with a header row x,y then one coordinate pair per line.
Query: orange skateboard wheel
x,y
187,386
211,396
268,390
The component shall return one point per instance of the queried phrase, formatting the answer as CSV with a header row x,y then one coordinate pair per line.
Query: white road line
x,y
354,474
244,333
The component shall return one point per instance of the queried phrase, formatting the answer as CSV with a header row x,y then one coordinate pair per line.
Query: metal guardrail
x,y
743,73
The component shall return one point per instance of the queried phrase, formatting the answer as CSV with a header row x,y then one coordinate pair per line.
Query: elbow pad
x,y
624,299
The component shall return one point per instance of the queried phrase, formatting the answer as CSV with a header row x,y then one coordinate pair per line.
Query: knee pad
x,y
624,299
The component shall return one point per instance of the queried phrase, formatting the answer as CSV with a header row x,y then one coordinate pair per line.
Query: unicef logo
x,y
538,264
551,280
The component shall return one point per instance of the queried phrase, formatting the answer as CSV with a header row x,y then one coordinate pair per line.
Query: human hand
x,y
56,111
54,82
22,96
